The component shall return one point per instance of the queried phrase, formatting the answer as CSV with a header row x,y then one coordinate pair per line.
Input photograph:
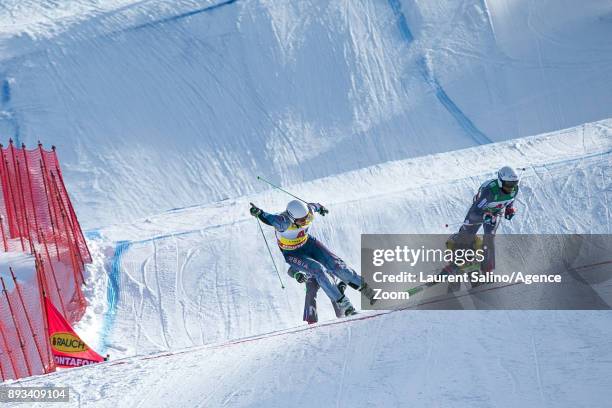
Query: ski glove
x,y
509,213
255,212
300,276
323,210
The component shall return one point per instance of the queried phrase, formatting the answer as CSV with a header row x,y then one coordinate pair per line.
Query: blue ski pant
x,y
471,225
310,300
314,259
473,221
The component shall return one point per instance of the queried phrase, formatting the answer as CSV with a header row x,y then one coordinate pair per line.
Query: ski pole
x,y
270,252
284,191
461,223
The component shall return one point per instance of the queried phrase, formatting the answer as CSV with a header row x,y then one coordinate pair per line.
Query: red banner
x,y
67,347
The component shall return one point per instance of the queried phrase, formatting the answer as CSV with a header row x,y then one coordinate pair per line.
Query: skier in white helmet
x,y
494,198
304,253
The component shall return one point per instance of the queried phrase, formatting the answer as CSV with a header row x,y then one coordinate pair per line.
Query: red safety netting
x,y
37,217
25,350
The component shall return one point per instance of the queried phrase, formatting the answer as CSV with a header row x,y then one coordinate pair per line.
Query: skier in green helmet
x,y
494,198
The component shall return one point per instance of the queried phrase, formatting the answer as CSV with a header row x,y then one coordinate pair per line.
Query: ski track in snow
x,y
430,79
178,17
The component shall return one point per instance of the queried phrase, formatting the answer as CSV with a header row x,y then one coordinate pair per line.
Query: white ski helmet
x,y
297,209
507,177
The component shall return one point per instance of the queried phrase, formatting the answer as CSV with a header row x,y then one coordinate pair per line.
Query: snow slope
x,y
199,275
22,265
424,359
195,285
382,110
156,105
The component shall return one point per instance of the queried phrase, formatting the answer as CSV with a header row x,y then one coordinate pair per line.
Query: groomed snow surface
x,y
156,104
194,291
390,113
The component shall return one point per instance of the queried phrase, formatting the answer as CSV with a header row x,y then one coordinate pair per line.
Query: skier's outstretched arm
x,y
279,221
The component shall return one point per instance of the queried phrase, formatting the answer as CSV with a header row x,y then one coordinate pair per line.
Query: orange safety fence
x,y
37,217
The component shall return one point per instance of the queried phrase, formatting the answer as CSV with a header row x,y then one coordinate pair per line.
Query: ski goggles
x,y
300,222
509,185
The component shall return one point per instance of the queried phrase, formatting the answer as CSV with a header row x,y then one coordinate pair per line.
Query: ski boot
x,y
341,287
368,292
345,306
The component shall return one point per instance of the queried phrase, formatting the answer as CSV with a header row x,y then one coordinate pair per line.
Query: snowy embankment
x,y
22,265
156,104
202,274
199,280
449,359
